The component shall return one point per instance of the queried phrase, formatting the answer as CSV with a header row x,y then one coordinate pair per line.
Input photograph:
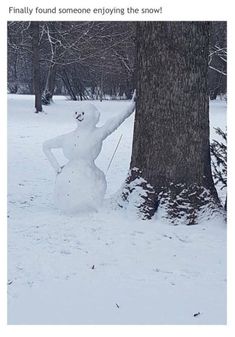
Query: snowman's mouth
x,y
79,118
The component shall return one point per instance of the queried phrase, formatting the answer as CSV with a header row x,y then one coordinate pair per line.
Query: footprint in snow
x,y
65,252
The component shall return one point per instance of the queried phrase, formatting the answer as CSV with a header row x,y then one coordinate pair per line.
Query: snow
x,y
107,267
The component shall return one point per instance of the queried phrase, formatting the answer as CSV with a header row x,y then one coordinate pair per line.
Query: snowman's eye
x,y
82,113
76,113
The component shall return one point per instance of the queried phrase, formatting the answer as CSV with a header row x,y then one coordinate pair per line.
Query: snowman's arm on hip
x,y
50,144
113,123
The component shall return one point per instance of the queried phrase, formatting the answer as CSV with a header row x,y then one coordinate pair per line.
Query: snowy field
x,y
109,267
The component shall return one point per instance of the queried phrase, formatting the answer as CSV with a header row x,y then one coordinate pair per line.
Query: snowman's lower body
x,y
80,187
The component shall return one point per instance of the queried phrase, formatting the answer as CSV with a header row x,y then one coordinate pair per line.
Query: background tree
x,y
86,59
34,27
20,79
218,59
54,46
170,163
80,59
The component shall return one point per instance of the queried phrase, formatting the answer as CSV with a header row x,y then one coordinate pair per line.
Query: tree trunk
x,y
51,75
171,154
50,85
36,65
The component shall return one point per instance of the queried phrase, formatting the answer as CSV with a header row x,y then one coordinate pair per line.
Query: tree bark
x,y
171,153
36,65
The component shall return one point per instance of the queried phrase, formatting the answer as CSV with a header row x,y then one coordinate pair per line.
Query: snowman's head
x,y
86,115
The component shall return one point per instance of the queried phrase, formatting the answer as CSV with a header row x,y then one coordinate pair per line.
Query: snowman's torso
x,y
81,185
83,145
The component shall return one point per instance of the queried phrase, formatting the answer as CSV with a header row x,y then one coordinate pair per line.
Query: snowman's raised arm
x,y
113,123
53,143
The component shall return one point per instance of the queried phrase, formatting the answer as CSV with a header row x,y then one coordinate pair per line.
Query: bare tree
x,y
54,45
218,59
36,65
91,59
88,57
19,58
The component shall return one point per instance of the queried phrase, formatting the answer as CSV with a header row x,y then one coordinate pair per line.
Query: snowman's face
x,y
86,115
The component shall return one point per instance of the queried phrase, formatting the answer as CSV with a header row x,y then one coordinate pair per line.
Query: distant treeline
x,y
88,60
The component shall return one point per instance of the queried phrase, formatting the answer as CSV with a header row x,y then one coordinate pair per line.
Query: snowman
x,y
80,185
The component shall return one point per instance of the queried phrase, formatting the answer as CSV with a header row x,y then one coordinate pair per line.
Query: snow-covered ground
x,y
109,267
